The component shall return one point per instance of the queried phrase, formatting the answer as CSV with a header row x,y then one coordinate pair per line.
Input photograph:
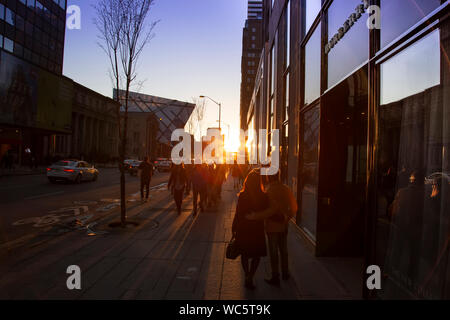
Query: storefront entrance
x,y
342,168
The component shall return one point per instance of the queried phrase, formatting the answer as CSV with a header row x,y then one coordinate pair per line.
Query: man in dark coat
x,y
146,169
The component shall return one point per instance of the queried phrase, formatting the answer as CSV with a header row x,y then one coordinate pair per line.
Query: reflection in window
x,y
310,170
312,10
425,57
10,17
312,67
399,15
413,203
352,50
8,45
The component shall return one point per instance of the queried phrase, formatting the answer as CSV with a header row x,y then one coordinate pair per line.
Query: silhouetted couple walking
x,y
259,213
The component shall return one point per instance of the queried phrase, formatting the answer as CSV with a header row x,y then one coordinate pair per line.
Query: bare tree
x,y
124,33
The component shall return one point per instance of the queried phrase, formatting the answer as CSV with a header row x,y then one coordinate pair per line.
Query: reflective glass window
x,y
417,68
413,190
352,48
312,10
399,15
2,12
8,45
10,17
312,67
309,154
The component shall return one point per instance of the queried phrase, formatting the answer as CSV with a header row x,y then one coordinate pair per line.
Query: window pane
x,y
312,10
425,57
312,67
352,50
2,12
10,17
8,45
309,171
399,15
413,203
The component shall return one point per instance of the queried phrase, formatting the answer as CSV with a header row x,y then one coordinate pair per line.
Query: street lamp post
x,y
220,109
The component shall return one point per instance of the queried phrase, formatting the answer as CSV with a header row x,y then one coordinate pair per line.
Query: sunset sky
x,y
196,51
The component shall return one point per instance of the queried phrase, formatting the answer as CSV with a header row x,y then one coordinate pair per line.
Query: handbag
x,y
232,250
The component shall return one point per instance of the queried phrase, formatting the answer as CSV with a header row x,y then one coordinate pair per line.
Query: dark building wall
x,y
32,44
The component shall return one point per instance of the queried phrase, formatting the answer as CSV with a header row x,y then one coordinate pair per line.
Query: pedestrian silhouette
x,y
249,235
177,184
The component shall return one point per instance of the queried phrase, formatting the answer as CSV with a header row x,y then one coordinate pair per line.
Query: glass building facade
x,y
368,93
34,30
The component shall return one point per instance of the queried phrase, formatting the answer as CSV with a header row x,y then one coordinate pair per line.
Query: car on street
x,y
72,170
132,166
163,164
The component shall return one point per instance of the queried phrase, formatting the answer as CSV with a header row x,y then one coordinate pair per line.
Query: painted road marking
x,y
45,195
52,218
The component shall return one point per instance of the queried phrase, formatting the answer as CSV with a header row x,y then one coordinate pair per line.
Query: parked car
x,y
163,164
72,170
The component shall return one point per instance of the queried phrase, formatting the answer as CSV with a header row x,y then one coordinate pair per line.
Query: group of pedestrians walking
x,y
264,208
204,180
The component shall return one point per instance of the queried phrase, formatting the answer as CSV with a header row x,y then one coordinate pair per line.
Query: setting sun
x,y
232,142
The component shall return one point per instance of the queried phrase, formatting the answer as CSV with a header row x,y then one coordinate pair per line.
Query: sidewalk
x,y
168,257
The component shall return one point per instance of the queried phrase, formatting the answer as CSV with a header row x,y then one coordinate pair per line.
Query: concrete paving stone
x,y
145,276
97,271
139,249
186,276
118,273
183,295
169,250
163,284
215,251
109,246
103,292
62,293
177,229
232,281
210,280
130,295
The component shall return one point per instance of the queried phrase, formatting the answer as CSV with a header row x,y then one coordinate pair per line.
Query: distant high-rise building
x,y
255,9
252,45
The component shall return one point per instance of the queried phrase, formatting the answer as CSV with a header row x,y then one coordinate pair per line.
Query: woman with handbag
x,y
249,235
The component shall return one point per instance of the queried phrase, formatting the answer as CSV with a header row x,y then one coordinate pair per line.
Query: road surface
x,y
29,204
